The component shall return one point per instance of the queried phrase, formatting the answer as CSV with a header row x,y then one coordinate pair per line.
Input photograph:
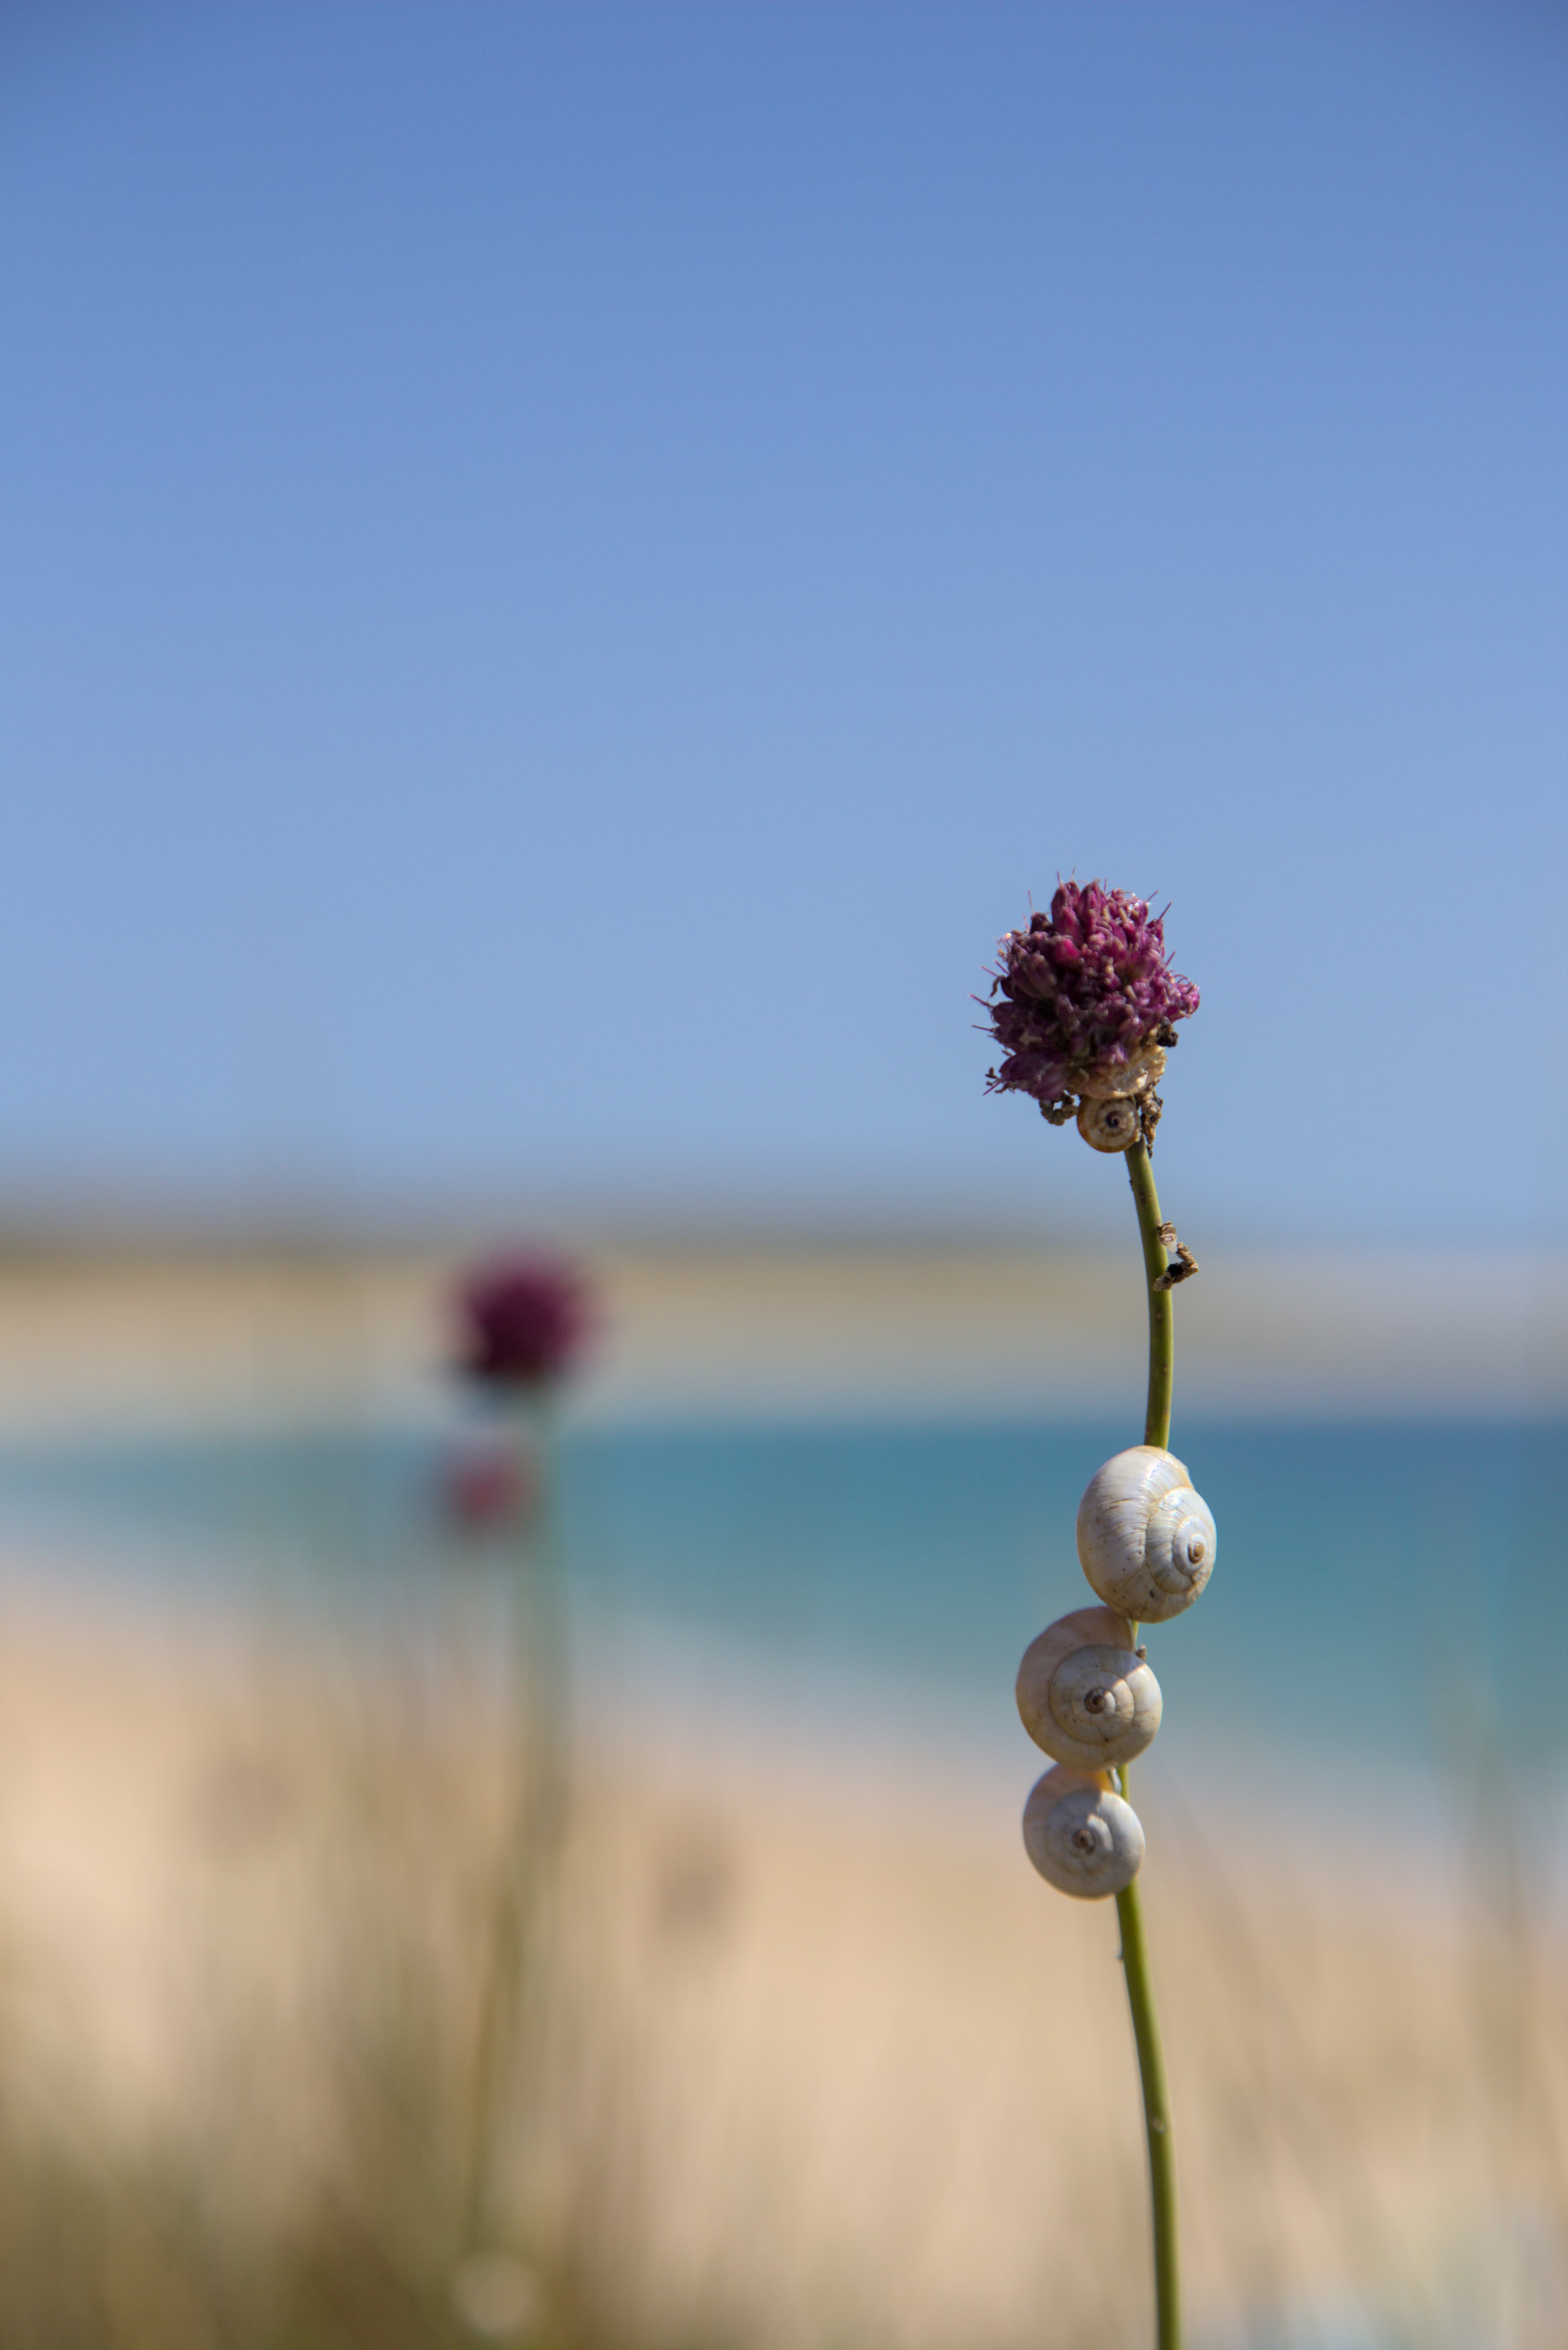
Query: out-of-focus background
x,y
566,570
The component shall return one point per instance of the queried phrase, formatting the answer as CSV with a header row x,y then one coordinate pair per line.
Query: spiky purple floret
x,y
1080,988
523,1321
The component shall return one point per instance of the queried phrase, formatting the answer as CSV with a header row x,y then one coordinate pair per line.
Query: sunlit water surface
x,y
1379,1595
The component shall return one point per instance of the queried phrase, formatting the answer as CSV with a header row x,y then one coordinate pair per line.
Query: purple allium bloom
x,y
523,1322
1080,989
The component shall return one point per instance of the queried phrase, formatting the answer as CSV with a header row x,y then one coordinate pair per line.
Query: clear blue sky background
x,y
566,571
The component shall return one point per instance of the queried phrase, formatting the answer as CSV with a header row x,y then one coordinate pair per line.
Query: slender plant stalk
x,y
515,1955
1161,1321
1129,1903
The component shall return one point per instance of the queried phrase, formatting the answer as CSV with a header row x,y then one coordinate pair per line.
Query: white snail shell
x,y
1084,1695
1111,1125
1083,1838
1142,1070
1146,1539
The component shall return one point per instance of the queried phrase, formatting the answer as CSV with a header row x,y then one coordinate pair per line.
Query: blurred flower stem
x,y
1129,1903
512,1986
522,1321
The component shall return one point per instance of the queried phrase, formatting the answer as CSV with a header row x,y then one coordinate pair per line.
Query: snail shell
x,y
1146,1539
1083,1838
1139,1074
1110,1125
1083,1693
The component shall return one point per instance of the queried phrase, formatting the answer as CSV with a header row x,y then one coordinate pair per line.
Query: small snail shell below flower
x,y
1084,1695
1139,1074
1146,1539
1108,1124
1083,1838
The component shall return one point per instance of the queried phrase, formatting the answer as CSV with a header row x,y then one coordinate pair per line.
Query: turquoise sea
x,y
1382,1593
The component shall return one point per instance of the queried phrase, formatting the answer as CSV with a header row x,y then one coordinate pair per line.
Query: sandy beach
x,y
810,2057
813,2061
131,1334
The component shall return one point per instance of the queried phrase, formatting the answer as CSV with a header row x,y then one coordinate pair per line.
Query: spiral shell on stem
x,y
1083,1693
1108,1124
1139,1074
1146,1539
1082,1837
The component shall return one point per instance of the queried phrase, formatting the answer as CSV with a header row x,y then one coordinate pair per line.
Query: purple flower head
x,y
1080,989
523,1322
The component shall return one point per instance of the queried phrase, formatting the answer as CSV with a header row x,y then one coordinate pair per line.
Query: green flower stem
x,y
1156,2117
1161,1321
1130,1903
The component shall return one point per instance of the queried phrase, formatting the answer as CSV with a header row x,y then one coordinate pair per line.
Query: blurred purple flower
x,y
525,1320
1081,989
484,1488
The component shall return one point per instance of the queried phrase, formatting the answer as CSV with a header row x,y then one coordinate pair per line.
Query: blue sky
x,y
566,571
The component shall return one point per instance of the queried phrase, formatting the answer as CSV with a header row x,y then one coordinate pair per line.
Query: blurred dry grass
x,y
814,2069
820,2064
